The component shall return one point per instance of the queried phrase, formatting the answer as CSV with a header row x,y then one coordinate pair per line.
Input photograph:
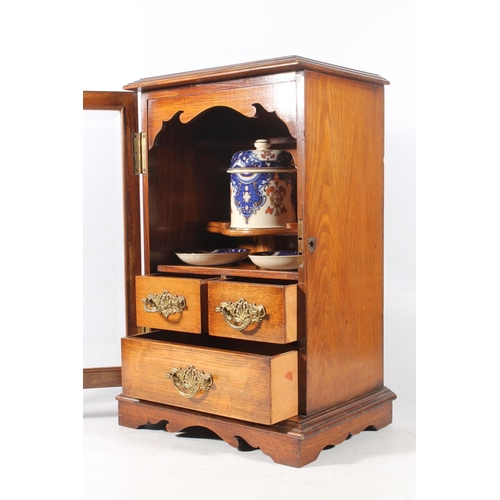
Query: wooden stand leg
x,y
295,442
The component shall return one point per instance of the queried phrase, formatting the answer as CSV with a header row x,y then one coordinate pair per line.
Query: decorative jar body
x,y
263,188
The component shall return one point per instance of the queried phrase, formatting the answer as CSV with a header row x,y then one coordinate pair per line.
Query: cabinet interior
x,y
188,184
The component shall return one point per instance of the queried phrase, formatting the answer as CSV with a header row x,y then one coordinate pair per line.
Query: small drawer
x,y
170,303
253,311
253,387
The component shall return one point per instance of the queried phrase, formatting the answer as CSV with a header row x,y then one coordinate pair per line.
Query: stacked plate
x,y
282,260
218,257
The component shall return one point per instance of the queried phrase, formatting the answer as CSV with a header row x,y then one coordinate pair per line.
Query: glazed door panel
x,y
103,277
111,236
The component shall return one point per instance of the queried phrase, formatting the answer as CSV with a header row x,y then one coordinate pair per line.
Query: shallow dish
x,y
216,257
283,260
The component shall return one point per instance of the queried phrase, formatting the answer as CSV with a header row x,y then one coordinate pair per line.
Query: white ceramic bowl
x,y
218,257
283,260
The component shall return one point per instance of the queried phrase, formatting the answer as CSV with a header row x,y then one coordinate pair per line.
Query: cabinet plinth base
x,y
294,442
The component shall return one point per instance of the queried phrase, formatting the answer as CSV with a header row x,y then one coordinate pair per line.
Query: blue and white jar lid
x,y
262,158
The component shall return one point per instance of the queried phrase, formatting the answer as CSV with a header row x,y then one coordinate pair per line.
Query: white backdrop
x,y
128,41
53,51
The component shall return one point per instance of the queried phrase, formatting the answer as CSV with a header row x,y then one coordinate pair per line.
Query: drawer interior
x,y
226,344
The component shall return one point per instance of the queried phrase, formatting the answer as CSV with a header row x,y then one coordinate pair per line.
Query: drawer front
x,y
251,311
170,303
251,387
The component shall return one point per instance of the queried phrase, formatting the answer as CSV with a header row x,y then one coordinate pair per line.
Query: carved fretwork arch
x,y
223,124
248,110
267,98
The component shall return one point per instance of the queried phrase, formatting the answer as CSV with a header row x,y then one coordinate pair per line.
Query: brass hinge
x,y
300,237
140,153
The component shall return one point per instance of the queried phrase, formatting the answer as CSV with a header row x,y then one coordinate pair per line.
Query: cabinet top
x,y
249,69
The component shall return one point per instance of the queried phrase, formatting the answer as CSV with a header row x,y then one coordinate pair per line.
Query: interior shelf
x,y
243,269
225,229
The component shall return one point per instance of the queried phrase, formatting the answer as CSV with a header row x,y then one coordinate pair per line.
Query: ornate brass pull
x,y
189,381
165,303
240,314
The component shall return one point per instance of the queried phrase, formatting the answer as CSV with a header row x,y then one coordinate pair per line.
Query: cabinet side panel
x,y
344,213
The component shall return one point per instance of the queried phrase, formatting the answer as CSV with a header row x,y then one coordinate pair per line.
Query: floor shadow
x,y
196,432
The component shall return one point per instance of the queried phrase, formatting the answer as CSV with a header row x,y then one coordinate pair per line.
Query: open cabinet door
x,y
112,234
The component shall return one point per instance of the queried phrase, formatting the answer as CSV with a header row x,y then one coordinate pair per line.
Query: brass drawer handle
x,y
189,381
164,303
239,315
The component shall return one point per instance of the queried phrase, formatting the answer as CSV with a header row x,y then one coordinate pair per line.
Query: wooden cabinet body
x,y
310,373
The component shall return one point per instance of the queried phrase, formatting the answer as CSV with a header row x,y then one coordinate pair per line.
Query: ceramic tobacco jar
x,y
263,188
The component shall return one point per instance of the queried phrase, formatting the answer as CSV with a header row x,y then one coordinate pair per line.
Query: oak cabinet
x,y
290,361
